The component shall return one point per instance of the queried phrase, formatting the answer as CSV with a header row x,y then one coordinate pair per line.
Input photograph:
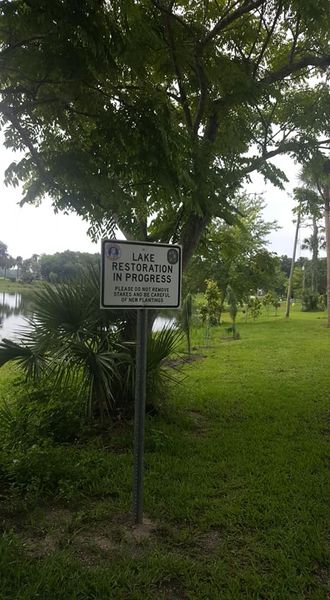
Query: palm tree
x,y
9,262
315,201
26,271
35,265
314,243
75,344
3,255
19,262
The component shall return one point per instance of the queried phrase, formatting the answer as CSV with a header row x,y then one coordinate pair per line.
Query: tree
x,y
254,307
235,255
18,262
314,200
3,255
150,115
66,266
35,266
297,282
313,243
285,264
214,301
26,270
6,261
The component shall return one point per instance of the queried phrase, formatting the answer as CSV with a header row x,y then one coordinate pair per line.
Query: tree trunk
x,y
191,237
292,268
327,241
315,252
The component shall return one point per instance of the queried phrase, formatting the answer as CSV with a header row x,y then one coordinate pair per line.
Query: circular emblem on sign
x,y
172,256
113,252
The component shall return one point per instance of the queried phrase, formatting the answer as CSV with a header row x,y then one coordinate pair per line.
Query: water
x,y
162,321
14,307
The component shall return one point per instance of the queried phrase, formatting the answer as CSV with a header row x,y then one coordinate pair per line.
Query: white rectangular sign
x,y
140,275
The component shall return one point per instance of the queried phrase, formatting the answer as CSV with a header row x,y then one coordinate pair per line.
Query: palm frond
x,y
62,309
30,358
161,345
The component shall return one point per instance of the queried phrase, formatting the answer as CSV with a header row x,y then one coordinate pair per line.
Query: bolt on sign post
x,y
140,276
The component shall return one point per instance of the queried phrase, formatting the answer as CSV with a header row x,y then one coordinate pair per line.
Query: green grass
x,y
8,285
236,485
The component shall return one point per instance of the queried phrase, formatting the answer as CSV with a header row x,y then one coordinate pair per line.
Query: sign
x,y
140,275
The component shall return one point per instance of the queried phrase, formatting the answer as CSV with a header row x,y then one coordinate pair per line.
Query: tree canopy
x,y
3,253
150,114
236,255
66,266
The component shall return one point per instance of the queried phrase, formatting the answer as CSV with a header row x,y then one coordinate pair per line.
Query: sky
x,y
31,230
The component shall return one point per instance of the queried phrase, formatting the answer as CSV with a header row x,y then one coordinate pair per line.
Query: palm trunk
x,y
315,252
327,241
292,268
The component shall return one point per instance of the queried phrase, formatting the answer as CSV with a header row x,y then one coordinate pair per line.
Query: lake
x,y
16,307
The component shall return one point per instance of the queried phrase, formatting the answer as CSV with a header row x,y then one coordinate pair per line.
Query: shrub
x,y
310,301
203,313
161,346
46,470
211,309
254,307
81,347
42,414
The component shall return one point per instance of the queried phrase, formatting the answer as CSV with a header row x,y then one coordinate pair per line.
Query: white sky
x,y
30,229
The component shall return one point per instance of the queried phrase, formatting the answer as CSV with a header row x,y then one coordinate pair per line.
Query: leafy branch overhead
x,y
149,115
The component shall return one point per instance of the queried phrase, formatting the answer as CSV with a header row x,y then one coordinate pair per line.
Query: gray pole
x,y
139,415
287,312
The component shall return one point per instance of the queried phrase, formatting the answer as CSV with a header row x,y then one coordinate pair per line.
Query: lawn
x,y
236,484
10,285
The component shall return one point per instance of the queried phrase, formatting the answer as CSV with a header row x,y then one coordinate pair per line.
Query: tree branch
x,y
11,47
227,20
295,40
268,38
183,95
256,162
12,117
45,175
169,12
202,96
322,62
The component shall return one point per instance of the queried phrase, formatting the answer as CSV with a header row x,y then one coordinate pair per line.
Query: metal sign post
x,y
140,276
139,415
